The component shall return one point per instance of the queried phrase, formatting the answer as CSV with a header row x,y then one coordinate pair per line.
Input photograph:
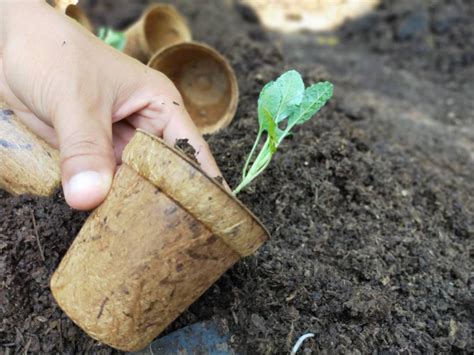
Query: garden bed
x,y
371,248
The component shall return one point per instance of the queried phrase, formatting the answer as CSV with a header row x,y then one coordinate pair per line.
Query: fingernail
x,y
86,189
86,180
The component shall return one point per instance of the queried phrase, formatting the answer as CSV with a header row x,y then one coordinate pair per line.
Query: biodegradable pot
x,y
28,165
205,80
160,26
76,13
165,233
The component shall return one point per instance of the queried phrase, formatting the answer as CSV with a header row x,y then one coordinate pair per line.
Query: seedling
x,y
113,38
283,104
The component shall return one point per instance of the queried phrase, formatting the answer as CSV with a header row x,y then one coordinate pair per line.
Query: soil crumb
x,y
184,146
219,179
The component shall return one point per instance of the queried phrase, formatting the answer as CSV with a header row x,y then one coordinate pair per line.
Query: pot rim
x,y
228,116
197,167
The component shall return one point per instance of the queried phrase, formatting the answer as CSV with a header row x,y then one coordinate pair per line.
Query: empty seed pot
x,y
76,13
205,80
165,233
28,165
160,26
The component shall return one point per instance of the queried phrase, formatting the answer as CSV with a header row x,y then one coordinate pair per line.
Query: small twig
x,y
35,228
300,341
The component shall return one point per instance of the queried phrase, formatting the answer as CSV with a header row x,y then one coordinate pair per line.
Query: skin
x,y
84,97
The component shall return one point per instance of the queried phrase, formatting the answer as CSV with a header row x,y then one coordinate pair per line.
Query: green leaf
x,y
280,134
272,131
315,97
282,99
292,89
268,104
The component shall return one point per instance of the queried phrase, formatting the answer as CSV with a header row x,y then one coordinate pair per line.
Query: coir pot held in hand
x,y
163,236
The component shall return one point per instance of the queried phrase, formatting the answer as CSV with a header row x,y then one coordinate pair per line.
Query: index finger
x,y
169,119
184,128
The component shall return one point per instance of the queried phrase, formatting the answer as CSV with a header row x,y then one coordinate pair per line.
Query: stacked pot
x,y
166,231
162,39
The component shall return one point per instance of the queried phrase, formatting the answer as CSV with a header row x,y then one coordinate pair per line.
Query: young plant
x,y
113,38
283,104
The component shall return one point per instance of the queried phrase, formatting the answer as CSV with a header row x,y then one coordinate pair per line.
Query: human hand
x,y
85,98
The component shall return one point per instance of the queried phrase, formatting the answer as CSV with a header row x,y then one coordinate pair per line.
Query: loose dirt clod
x,y
184,146
219,179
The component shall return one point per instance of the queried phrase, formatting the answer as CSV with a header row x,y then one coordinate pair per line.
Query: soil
x,y
370,206
184,146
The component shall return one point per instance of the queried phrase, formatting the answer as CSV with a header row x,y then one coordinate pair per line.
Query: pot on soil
x,y
165,233
204,77
205,80
163,236
76,13
28,165
160,26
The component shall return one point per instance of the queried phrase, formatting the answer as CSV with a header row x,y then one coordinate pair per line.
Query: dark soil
x,y
371,218
436,37
184,146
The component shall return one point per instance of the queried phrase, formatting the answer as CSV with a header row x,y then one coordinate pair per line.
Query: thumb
x,y
87,156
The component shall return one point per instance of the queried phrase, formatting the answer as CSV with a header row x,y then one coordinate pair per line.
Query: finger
x,y
87,156
167,118
38,127
182,127
122,133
